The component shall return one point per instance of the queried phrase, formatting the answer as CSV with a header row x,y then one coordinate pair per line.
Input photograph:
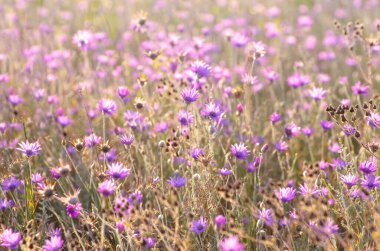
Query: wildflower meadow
x,y
189,125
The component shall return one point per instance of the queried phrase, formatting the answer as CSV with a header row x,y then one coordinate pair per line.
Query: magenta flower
x,y
185,118
350,180
306,191
368,166
374,119
74,210
92,140
107,106
107,188
231,243
55,243
82,39
370,181
240,151
200,68
30,149
10,239
286,194
117,171
212,111
317,93
190,95
199,226
266,216
220,221
177,181
360,89
127,139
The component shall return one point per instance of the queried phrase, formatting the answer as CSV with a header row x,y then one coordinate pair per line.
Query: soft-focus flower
x,y
199,226
224,171
92,140
185,118
10,239
327,125
117,171
11,183
370,181
74,209
286,194
30,149
212,111
177,181
266,216
82,39
282,146
200,68
55,243
360,89
231,243
240,151
350,180
190,95
6,203
317,93
292,130
368,166
220,221
107,187
306,191
127,139
107,106
374,119
15,100
275,117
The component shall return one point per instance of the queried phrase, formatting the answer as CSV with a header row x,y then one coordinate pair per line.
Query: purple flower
x,y
5,204
240,151
327,125
55,243
30,149
275,117
266,216
317,93
286,194
220,221
10,184
212,111
374,119
350,180
92,140
224,171
328,228
185,118
199,226
370,181
15,100
360,89
338,162
292,130
239,40
281,146
82,39
117,171
368,166
37,178
231,243
190,95
107,106
251,167
308,131
107,187
127,139
201,69
150,242
348,129
306,191
74,210
177,181
196,153
122,91
64,121
10,239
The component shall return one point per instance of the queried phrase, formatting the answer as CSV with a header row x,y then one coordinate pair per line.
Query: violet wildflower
x,y
328,228
117,171
74,209
185,118
64,121
122,91
107,106
368,166
281,146
92,140
30,149
308,131
177,181
240,151
350,180
55,243
6,203
275,117
374,119
317,93
292,130
286,194
212,111
327,125
11,183
37,178
220,221
266,216
360,89
127,139
224,171
307,191
107,188
150,242
10,239
199,226
196,153
82,39
200,68
15,100
231,243
190,95
348,129
370,181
